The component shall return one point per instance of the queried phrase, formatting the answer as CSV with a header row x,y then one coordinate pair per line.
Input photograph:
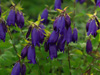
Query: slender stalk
x,y
74,13
94,8
69,60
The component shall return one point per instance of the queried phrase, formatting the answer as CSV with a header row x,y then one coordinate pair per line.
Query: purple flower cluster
x,y
17,18
18,69
62,33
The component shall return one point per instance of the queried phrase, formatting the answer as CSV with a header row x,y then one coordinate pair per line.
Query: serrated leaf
x,y
90,15
12,3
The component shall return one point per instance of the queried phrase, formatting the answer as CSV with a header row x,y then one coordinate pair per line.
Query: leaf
x,y
79,52
12,3
59,10
65,8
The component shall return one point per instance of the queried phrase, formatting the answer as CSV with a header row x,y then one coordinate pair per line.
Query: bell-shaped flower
x,y
57,4
44,16
41,33
24,52
16,69
52,51
23,69
55,24
11,18
53,37
35,37
75,35
61,24
67,21
20,19
87,25
92,28
3,30
29,31
68,35
61,43
88,46
31,55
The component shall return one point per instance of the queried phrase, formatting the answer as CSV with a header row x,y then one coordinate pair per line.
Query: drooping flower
x,y
24,52
16,69
44,16
88,46
61,24
61,43
87,25
97,2
92,28
53,37
41,33
3,30
35,37
23,69
29,31
81,1
11,18
57,4
68,35
20,19
75,35
31,55
52,51
67,21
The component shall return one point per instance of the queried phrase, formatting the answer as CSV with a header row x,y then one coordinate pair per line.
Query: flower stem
x,y
69,60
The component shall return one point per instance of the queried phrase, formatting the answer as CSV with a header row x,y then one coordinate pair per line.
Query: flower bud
x,y
44,16
74,35
88,46
24,52
23,69
11,18
31,55
16,69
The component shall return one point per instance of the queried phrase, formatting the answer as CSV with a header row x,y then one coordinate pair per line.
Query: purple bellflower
x,y
20,19
23,69
57,4
11,18
53,37
75,35
88,46
44,16
97,2
31,55
3,30
24,52
52,51
92,28
68,35
35,37
16,69
61,43
67,21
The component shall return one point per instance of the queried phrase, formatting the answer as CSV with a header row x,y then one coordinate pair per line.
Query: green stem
x,y
69,60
